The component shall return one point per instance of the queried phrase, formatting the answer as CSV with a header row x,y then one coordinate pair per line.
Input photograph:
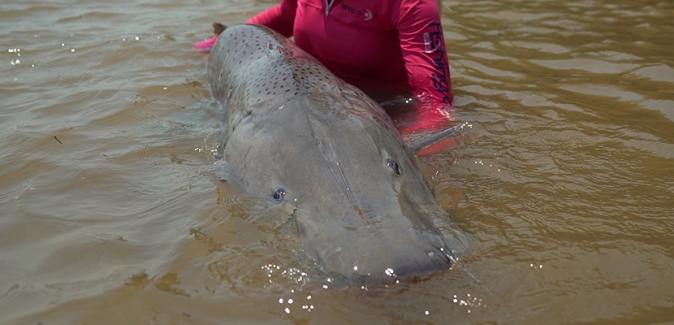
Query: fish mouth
x,y
368,243
367,261
430,264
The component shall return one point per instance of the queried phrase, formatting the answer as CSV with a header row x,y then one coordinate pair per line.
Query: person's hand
x,y
428,117
207,45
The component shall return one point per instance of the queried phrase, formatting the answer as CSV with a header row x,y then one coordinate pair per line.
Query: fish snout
x,y
389,259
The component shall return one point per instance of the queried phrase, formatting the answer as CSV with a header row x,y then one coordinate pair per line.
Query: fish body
x,y
296,133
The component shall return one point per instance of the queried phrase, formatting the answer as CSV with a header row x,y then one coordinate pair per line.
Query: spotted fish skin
x,y
296,133
252,67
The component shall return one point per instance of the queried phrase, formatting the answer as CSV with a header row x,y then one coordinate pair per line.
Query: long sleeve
x,y
280,18
424,52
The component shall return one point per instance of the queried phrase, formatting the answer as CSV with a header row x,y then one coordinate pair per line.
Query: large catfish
x,y
295,132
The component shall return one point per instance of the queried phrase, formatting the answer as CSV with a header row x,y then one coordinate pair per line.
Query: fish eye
x,y
279,194
394,165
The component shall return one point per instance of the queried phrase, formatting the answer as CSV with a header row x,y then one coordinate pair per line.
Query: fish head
x,y
359,202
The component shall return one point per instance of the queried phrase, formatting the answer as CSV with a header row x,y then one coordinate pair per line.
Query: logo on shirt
x,y
367,14
433,46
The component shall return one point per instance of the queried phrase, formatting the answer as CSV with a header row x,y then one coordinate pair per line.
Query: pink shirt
x,y
372,44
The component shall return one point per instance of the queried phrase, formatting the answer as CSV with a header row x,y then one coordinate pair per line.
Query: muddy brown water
x,y
111,212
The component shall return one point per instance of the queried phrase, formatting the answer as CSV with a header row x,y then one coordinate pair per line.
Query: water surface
x,y
111,211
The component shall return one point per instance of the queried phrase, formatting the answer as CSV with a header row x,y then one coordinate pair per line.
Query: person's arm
x,y
423,48
280,18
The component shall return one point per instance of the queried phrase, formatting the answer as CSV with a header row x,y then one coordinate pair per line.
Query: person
x,y
391,46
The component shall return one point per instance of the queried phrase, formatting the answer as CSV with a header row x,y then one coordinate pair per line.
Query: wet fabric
x,y
372,44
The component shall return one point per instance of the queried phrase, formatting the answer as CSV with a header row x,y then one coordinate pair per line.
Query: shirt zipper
x,y
328,5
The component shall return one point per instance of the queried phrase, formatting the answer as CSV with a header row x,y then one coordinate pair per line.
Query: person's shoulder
x,y
425,3
415,10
